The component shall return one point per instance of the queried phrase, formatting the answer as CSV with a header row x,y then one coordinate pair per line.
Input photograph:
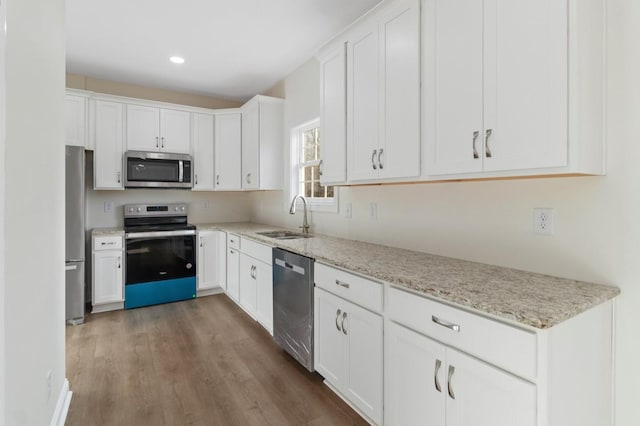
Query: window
x,y
305,167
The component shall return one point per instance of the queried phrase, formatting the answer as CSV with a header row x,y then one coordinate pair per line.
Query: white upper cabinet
x,y
75,111
203,142
383,94
262,138
107,132
158,129
497,77
228,151
333,116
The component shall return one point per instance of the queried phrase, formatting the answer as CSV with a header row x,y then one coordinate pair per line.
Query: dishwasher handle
x,y
295,268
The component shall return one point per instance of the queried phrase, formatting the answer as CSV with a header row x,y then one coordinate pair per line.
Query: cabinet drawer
x,y
107,243
258,251
508,347
233,241
358,290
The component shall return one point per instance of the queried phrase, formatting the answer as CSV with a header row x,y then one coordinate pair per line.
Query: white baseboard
x,y
62,406
210,291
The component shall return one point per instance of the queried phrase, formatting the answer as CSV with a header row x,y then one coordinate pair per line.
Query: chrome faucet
x,y
292,210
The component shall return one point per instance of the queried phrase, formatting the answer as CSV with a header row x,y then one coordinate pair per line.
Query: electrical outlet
x,y
373,211
348,210
108,206
48,382
205,205
543,221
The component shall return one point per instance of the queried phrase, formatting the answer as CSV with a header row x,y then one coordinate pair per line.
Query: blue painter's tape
x,y
156,292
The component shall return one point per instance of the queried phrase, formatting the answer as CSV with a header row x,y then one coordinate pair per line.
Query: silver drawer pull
x,y
342,284
373,156
452,369
344,316
380,158
451,326
338,316
435,375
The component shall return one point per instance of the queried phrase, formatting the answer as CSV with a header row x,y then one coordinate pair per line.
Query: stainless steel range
x,y
160,254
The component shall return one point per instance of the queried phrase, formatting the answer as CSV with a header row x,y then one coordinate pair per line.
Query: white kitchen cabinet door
x,y
453,78
211,259
482,395
399,149
363,381
175,131
107,277
363,103
143,128
233,273
250,145
416,381
228,152
525,84
264,295
203,142
333,116
248,284
495,85
329,342
75,120
108,131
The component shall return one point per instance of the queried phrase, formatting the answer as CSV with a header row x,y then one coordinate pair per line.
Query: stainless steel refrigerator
x,y
74,247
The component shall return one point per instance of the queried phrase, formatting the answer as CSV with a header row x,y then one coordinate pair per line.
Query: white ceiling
x,y
233,49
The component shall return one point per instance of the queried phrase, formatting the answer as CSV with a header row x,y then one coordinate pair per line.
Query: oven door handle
x,y
154,234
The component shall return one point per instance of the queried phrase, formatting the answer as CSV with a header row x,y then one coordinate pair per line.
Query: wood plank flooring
x,y
197,362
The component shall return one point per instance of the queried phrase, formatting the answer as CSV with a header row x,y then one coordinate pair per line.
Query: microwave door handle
x,y
180,171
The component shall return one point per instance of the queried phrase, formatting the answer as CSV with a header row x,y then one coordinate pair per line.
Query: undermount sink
x,y
283,235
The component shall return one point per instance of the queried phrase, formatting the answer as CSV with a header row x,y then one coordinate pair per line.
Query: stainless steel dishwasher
x,y
293,305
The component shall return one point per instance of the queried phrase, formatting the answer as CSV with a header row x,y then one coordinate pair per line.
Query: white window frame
x,y
295,144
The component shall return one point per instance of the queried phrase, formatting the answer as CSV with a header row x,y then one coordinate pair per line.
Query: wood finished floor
x,y
197,362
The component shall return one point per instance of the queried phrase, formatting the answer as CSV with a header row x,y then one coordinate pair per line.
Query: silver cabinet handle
x,y
435,375
200,241
344,316
162,139
320,168
252,273
475,151
118,176
196,177
248,177
449,325
452,369
217,179
338,316
487,151
232,252
342,284
373,156
380,158
110,243
119,262
157,142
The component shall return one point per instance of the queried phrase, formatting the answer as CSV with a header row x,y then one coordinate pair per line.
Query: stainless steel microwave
x,y
157,170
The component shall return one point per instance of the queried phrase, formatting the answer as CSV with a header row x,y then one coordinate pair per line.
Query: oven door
x,y
160,267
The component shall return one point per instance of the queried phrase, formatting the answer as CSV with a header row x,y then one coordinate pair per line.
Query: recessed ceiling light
x,y
177,60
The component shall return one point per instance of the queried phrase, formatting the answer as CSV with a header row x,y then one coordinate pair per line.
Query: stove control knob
x,y
131,209
176,208
138,209
182,208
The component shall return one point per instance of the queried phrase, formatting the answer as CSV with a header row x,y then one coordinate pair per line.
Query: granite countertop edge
x,y
531,299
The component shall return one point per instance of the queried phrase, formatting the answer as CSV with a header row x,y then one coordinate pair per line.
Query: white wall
x,y
597,219
34,210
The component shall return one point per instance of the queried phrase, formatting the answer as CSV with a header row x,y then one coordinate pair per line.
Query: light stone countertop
x,y
536,300
106,232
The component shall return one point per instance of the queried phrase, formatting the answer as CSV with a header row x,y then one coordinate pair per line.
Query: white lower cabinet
x,y
348,351
233,273
248,285
107,273
430,383
212,260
